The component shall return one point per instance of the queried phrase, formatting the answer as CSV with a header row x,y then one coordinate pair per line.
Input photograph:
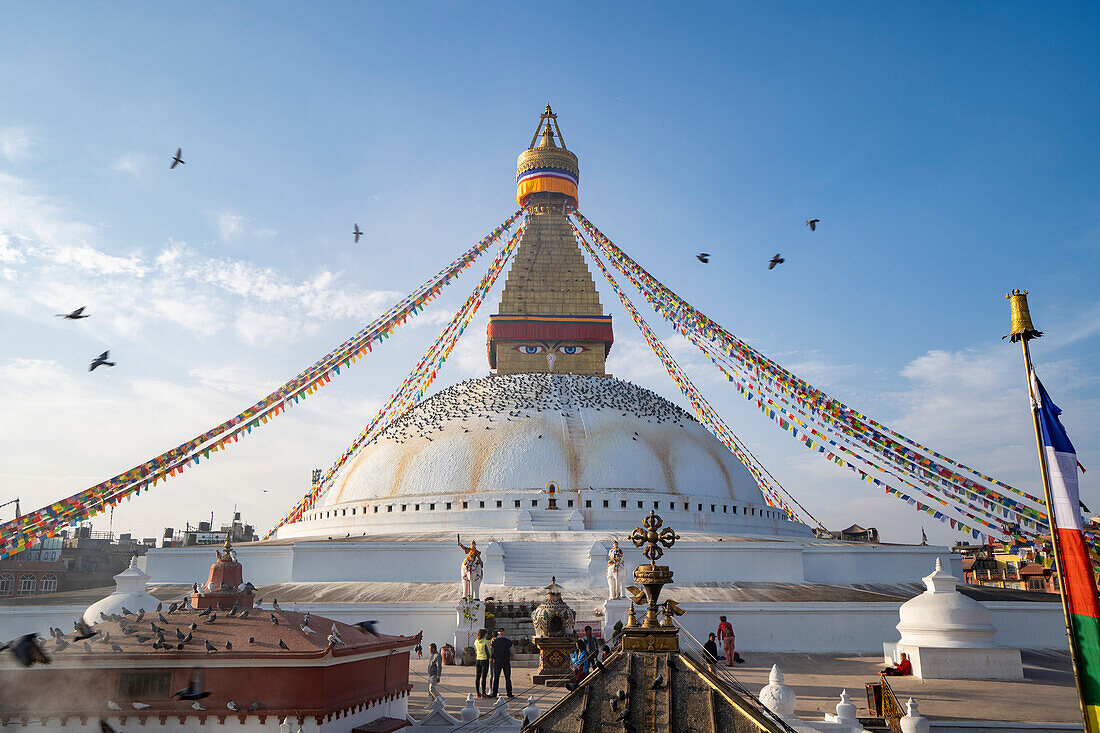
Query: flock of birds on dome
x,y
104,359
501,399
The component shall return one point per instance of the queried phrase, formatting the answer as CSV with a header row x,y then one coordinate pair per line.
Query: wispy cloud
x,y
57,260
16,143
233,226
136,164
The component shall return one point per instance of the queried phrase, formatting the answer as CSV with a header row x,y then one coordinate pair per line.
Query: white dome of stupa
x,y
521,431
943,617
130,592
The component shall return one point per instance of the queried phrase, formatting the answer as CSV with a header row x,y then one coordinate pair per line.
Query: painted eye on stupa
x,y
530,349
571,349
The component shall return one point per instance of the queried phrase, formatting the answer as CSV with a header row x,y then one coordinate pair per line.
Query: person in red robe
x,y
903,668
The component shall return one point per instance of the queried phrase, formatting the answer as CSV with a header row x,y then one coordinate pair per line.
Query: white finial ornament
x,y
845,710
470,712
776,696
913,722
531,712
550,358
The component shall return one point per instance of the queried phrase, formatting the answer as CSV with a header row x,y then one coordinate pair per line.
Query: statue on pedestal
x,y
472,570
614,572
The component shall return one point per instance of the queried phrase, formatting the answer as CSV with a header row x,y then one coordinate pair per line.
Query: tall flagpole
x,y
1023,331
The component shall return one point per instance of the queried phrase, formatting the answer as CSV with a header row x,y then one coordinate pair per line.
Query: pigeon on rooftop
x,y
83,630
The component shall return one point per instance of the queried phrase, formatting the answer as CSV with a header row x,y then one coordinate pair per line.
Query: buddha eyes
x,y
536,349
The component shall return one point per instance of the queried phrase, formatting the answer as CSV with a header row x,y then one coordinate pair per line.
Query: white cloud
x,y
15,143
135,164
231,226
57,262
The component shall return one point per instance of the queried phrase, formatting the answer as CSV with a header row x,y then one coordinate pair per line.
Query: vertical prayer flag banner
x,y
1080,584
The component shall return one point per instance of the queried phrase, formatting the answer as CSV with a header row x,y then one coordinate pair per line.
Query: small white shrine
x,y
130,592
949,636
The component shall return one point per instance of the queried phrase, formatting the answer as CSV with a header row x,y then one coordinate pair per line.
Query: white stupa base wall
x,y
940,663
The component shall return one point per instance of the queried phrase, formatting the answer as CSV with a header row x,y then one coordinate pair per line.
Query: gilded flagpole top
x,y
1022,327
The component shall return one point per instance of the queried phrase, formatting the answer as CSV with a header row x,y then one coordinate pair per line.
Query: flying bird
x,y
357,233
75,315
777,260
177,159
812,224
367,627
194,690
105,727
26,650
703,257
658,682
101,360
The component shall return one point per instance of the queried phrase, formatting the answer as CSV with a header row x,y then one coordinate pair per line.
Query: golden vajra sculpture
x,y
653,537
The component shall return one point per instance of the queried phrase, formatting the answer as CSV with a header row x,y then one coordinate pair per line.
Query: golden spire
x,y
1022,327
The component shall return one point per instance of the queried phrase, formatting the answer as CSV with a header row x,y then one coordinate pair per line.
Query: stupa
x,y
547,460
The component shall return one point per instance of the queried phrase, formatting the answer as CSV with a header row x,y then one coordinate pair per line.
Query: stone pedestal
x,y
554,665
958,663
613,611
469,617
949,636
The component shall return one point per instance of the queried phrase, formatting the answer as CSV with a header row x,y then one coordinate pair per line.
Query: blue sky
x,y
949,151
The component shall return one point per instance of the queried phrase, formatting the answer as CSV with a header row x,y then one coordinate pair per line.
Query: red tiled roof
x,y
1033,568
258,626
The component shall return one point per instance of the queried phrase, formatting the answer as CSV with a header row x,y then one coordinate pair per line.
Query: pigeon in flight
x,y
194,690
367,627
74,316
812,224
26,650
357,233
703,257
177,159
101,360
105,727
777,260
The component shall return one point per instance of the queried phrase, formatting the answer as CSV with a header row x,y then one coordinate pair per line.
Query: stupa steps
x,y
535,564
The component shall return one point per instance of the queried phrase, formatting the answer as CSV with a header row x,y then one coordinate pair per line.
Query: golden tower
x,y
550,317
